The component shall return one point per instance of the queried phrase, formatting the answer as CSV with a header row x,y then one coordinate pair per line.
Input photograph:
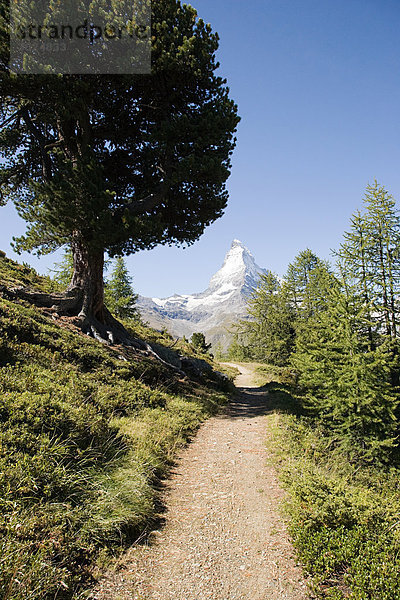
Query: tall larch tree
x,y
303,279
346,386
355,262
383,225
370,258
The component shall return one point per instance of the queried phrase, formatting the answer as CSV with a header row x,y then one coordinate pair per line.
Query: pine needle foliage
x,y
119,295
370,257
270,329
346,385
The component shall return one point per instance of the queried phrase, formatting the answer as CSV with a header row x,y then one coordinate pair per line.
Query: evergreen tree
x,y
355,265
298,277
198,341
119,295
346,385
383,225
64,270
270,330
118,163
370,256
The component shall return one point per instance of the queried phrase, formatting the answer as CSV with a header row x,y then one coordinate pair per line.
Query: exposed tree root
x,y
65,303
70,303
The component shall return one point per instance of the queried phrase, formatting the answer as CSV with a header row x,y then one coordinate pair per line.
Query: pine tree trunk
x,y
384,291
87,285
366,294
393,311
88,277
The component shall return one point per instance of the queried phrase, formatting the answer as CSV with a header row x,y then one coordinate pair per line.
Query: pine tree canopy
x,y
302,280
126,162
346,385
119,163
270,330
370,258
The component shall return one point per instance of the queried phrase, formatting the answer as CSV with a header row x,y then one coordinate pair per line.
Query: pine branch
x,y
41,140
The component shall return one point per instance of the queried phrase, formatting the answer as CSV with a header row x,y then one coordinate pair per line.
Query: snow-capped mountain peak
x,y
239,264
223,302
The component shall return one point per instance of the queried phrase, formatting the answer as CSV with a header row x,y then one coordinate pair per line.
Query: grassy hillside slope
x,y
86,431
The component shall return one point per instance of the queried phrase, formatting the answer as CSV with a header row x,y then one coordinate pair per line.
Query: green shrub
x,y
343,517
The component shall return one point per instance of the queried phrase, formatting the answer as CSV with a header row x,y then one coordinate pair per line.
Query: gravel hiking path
x,y
224,537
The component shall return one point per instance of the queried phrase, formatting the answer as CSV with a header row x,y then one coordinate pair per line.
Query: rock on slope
x,y
213,311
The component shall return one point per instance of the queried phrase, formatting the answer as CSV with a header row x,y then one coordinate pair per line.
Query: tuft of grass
x,y
344,518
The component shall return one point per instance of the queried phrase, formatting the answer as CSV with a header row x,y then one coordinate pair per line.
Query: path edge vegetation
x,y
87,432
343,517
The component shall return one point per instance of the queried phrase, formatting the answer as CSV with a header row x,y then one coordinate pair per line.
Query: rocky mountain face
x,y
213,311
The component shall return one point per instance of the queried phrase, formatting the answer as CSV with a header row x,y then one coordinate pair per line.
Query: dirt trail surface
x,y
224,538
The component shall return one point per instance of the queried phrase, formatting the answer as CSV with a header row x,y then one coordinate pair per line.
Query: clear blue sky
x,y
318,88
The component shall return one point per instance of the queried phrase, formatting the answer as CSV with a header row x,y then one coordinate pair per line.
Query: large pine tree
x,y
355,262
298,277
119,163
